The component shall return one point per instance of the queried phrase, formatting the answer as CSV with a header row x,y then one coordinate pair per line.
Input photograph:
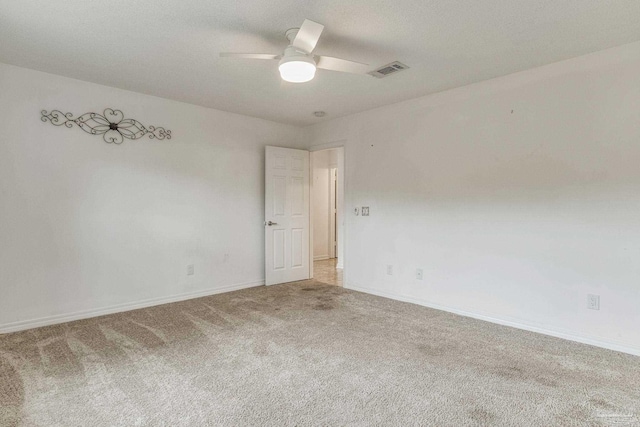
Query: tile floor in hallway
x,y
325,271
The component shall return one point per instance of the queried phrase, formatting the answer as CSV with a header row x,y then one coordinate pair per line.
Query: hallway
x,y
325,271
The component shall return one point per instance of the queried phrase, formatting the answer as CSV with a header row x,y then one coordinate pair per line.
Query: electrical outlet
x,y
365,211
390,270
225,258
593,302
419,274
190,270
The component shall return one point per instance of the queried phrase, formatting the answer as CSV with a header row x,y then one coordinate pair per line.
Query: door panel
x,y
296,248
297,196
278,249
280,196
286,215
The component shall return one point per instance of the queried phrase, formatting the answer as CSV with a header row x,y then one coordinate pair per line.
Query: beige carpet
x,y
307,354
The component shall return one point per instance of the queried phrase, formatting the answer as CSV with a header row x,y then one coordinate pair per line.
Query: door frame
x,y
333,210
342,143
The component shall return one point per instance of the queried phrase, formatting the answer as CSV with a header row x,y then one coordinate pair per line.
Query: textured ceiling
x,y
169,48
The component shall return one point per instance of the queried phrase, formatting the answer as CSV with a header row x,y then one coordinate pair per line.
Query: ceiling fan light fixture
x,y
297,63
297,69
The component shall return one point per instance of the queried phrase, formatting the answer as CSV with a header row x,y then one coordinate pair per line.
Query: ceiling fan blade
x,y
249,55
308,36
337,64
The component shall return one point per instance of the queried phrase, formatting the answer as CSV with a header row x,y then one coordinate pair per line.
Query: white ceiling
x,y
169,48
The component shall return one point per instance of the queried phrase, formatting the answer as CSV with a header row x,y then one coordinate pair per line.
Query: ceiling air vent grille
x,y
386,70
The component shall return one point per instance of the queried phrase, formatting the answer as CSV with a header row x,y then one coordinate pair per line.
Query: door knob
x,y
271,223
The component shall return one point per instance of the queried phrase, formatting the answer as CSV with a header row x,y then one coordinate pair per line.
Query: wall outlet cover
x,y
593,302
419,274
365,211
390,270
190,270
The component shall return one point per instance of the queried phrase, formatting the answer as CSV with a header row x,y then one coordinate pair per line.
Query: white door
x,y
286,214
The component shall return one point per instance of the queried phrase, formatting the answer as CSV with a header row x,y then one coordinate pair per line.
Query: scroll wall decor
x,y
112,125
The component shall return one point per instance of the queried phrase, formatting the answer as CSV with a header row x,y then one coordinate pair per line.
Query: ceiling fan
x,y
297,63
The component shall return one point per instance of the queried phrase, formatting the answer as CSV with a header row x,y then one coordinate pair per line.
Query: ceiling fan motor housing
x,y
291,34
293,53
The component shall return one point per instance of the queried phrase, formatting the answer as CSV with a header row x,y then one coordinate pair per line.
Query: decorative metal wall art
x,y
112,125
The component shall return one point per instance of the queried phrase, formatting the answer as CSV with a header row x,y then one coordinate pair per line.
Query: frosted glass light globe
x,y
298,69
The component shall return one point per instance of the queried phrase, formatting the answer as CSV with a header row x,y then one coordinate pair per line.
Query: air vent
x,y
389,69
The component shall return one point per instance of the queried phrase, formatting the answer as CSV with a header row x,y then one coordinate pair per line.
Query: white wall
x,y
517,196
320,204
88,226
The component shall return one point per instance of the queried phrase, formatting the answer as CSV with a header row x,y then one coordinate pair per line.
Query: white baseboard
x,y
85,314
320,257
514,324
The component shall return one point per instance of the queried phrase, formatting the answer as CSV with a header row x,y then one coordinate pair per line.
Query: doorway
x,y
327,201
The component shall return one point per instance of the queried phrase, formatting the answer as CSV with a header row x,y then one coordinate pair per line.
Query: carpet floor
x,y
307,354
